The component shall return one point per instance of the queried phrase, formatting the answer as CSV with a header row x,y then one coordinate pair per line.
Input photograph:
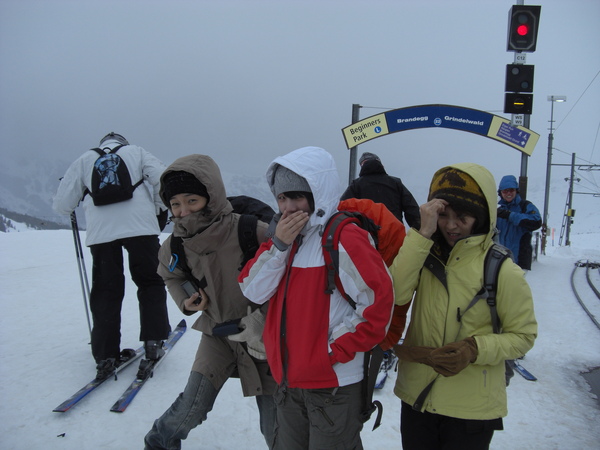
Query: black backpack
x,y
251,210
111,181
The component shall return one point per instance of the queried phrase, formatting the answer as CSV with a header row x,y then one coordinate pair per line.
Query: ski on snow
x,y
388,363
146,370
523,371
81,393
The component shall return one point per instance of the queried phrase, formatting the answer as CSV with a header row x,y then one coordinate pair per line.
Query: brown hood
x,y
206,170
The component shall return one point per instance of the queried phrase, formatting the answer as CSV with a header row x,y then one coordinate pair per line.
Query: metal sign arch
x,y
441,116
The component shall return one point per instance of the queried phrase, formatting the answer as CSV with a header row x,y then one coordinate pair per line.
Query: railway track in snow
x,y
585,282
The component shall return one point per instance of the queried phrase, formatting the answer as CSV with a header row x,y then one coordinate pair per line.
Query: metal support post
x,y
353,150
570,201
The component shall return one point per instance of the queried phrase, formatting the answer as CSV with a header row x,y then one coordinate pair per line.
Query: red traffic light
x,y
522,30
523,24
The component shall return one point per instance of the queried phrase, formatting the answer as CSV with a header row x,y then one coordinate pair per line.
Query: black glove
x,y
503,212
163,218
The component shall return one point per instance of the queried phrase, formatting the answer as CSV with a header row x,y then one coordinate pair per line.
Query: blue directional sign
x,y
441,116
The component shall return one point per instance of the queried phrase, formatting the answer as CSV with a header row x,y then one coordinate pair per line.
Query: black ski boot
x,y
125,355
106,368
154,350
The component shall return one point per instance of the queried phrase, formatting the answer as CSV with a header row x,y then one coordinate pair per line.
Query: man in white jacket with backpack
x,y
132,224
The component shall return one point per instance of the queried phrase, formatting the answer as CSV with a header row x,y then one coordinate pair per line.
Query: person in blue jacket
x,y
517,218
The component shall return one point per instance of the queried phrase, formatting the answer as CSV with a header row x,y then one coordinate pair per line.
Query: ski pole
x,y
83,278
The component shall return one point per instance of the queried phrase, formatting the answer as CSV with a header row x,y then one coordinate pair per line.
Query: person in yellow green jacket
x,y
451,372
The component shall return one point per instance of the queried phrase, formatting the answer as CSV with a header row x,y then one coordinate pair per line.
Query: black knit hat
x,y
182,183
366,156
463,194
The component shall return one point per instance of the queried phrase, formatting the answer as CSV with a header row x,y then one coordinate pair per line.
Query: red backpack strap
x,y
330,242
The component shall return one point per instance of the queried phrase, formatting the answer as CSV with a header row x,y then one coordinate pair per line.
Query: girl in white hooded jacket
x,y
315,340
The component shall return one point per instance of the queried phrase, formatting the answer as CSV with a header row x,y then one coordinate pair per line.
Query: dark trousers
x,y
318,419
108,289
427,431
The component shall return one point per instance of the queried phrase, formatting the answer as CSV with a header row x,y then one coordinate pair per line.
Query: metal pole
x,y
548,169
552,99
524,164
352,168
569,214
83,278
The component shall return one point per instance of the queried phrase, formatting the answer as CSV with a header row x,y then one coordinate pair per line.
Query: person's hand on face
x,y
290,225
295,213
430,212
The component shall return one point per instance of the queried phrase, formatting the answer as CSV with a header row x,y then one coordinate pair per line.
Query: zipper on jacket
x,y
283,332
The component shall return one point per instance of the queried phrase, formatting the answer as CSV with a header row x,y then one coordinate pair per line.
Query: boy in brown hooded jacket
x,y
193,190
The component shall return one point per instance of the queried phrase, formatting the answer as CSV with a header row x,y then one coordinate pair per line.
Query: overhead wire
x,y
575,104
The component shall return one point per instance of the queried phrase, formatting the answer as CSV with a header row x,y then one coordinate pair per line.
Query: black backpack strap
x,y
247,237
496,255
100,153
437,268
494,258
330,244
178,259
418,405
134,186
371,370
116,149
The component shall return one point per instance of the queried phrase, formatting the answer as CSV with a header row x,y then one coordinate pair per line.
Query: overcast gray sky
x,y
245,81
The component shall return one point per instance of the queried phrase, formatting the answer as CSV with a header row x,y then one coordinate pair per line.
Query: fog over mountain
x,y
27,186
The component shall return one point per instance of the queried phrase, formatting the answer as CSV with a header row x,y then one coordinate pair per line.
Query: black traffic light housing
x,y
519,78
523,23
517,103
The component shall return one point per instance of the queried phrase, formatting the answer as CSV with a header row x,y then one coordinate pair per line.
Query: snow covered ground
x,y
45,357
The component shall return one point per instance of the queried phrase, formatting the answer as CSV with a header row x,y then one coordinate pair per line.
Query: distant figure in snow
x,y
517,218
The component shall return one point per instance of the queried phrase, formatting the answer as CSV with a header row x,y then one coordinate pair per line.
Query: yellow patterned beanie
x,y
463,194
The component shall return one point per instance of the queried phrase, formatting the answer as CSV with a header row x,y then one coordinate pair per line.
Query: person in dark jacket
x,y
374,183
517,218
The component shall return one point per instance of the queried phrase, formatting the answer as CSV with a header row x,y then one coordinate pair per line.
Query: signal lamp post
x,y
552,99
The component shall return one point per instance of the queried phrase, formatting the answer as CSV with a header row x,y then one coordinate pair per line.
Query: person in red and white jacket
x,y
314,340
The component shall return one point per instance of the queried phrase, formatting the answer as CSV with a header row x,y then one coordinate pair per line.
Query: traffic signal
x,y
517,103
523,22
519,78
